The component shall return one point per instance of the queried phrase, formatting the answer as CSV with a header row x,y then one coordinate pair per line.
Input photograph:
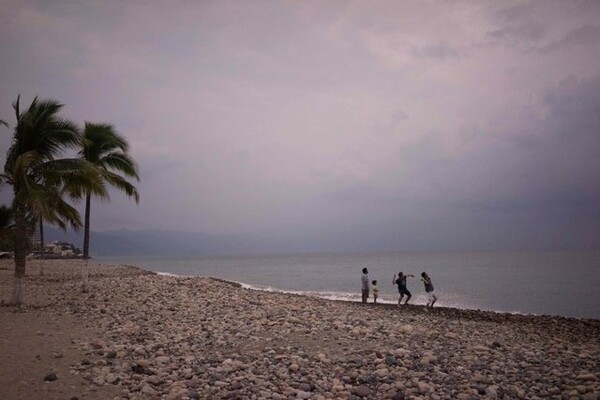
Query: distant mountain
x,y
154,242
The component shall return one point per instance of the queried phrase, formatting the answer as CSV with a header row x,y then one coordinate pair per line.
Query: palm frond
x,y
122,184
121,162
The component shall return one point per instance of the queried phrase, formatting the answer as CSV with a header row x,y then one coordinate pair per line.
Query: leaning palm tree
x,y
103,147
39,177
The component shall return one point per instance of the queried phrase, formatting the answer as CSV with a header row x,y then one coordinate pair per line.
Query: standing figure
x,y
431,297
364,280
375,291
402,290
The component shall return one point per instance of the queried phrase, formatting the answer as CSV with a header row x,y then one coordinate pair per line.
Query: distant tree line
x,y
45,182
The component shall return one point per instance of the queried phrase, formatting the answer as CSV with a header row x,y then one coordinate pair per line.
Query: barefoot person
x,y
364,280
402,290
375,291
431,297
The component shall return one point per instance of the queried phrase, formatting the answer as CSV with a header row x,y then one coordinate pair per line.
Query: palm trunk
x,y
86,247
20,252
86,228
42,246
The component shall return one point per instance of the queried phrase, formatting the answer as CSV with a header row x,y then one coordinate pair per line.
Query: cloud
x,y
584,35
401,121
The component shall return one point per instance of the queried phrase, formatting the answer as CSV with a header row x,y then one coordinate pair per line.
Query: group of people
x,y
399,280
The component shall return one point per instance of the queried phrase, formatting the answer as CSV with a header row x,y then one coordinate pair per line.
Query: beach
x,y
138,334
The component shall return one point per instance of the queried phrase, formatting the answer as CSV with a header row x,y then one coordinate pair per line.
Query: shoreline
x,y
139,334
486,314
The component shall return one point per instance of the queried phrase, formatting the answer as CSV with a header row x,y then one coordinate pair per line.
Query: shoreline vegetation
x,y
140,335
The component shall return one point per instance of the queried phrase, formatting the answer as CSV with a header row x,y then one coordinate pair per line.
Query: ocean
x,y
550,283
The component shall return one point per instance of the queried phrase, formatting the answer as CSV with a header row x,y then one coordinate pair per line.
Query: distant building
x,y
58,249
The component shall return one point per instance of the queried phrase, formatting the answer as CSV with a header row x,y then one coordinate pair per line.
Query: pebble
x,y
230,342
50,377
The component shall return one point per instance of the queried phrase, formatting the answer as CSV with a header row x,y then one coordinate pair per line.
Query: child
x,y
431,297
375,291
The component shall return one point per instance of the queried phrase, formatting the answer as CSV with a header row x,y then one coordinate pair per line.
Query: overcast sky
x,y
400,125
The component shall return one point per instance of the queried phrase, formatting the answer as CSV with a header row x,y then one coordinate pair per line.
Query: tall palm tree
x,y
6,236
38,176
103,147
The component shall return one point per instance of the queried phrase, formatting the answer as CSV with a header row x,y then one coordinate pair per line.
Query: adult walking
x,y
402,289
364,280
431,297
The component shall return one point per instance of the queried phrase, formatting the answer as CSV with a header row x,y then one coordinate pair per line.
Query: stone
x,y
480,348
300,394
362,391
99,380
586,377
50,377
424,387
406,328
304,387
492,391
147,389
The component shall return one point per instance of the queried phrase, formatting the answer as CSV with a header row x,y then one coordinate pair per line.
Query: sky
x,y
388,125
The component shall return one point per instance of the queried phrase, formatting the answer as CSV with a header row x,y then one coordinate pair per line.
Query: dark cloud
x,y
400,125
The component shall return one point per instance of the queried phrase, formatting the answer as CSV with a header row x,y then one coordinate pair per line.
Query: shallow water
x,y
564,284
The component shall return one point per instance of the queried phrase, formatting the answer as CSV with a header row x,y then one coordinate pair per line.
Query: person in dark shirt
x,y
402,289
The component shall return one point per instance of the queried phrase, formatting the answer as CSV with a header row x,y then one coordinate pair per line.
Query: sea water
x,y
565,284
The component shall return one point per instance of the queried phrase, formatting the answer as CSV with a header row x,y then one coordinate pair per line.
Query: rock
x,y
586,377
424,387
138,369
147,389
111,378
406,328
362,391
294,367
398,396
50,377
163,359
111,354
305,387
428,359
390,360
99,380
480,348
300,394
492,391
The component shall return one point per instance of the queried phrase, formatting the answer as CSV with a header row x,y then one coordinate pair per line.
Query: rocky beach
x,y
139,335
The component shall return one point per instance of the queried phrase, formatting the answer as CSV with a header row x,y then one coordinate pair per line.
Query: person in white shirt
x,y
364,280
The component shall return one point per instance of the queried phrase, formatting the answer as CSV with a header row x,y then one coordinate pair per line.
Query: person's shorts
x,y
365,292
430,296
404,291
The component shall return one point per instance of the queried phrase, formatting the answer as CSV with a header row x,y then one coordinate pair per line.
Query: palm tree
x,y
103,147
6,234
39,178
